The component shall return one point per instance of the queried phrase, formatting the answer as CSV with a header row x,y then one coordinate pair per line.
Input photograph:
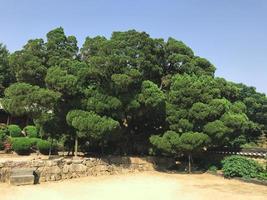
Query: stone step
x,y
22,180
22,171
22,176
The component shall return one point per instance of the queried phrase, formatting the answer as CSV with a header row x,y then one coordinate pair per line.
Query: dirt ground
x,y
139,186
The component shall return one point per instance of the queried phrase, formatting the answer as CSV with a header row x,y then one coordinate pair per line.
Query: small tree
x,y
188,143
90,125
191,142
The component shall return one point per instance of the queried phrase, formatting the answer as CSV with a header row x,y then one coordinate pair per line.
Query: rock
x,y
102,161
54,170
77,168
42,179
117,160
37,163
5,174
68,161
59,159
101,168
52,178
50,163
66,168
77,161
73,175
89,163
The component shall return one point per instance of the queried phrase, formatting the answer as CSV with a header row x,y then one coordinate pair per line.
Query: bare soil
x,y
139,186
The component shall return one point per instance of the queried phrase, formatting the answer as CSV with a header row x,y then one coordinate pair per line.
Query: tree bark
x,y
189,164
76,146
102,147
27,120
8,119
50,149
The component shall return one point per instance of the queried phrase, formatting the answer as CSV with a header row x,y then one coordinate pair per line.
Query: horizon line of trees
x,y
129,94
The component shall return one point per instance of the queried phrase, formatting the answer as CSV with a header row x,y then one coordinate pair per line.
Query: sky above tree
x,y
231,34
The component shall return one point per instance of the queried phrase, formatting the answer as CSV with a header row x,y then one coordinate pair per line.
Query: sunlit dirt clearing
x,y
139,186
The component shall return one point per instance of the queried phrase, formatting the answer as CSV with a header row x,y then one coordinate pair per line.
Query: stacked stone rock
x,y
65,168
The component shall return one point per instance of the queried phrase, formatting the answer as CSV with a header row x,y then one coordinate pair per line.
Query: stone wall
x,y
67,168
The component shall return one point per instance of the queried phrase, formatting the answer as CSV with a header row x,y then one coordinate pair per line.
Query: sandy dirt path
x,y
140,186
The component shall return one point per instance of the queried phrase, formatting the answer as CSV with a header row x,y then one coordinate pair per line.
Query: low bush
x,y
213,169
43,146
239,166
31,131
249,145
3,135
3,129
21,145
2,146
14,130
262,176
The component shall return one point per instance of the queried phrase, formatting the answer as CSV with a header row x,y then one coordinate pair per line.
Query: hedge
x,y
31,131
14,130
43,146
21,145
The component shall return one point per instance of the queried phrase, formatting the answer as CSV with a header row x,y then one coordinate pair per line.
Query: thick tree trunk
x,y
189,164
76,146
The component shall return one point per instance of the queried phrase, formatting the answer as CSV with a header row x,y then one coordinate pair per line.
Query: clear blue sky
x,y
232,34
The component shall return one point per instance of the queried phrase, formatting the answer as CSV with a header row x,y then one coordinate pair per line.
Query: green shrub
x,y
21,145
239,166
262,176
3,135
249,145
3,128
14,130
31,131
213,169
44,146
2,147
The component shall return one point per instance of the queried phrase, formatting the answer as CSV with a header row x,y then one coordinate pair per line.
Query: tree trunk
x,y
102,147
8,120
76,146
50,149
27,120
69,149
189,164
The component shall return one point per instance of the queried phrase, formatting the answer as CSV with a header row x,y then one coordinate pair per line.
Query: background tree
x,y
28,64
142,85
6,74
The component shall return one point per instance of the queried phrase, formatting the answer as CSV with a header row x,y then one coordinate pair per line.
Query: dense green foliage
x,y
239,166
31,131
22,145
14,130
262,176
126,94
25,145
43,146
3,135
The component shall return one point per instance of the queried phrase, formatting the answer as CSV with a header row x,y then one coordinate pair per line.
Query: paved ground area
x,y
140,186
